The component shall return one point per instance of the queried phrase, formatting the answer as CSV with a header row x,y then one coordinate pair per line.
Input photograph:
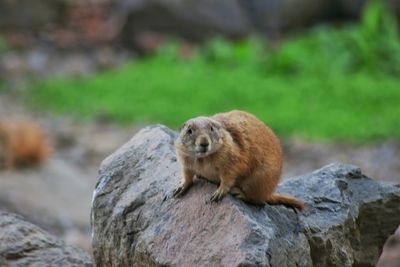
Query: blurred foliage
x,y
340,83
373,45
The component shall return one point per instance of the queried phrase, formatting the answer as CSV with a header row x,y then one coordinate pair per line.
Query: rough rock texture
x,y
24,244
390,256
135,222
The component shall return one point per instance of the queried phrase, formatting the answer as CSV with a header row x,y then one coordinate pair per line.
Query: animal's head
x,y
200,137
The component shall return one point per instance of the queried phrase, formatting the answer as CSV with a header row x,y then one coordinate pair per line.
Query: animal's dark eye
x,y
212,129
189,131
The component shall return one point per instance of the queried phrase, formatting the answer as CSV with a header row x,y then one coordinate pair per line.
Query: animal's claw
x,y
180,190
218,195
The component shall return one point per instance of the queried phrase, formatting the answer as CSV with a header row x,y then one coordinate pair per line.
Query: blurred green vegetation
x,y
332,82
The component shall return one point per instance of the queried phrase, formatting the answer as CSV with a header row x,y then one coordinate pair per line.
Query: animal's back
x,y
257,141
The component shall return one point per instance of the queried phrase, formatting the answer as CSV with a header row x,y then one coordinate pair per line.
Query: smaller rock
x,y
25,244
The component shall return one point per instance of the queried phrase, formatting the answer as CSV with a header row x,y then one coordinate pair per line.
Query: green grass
x,y
355,106
329,83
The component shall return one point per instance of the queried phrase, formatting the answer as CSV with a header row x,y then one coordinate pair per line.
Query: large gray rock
x,y
198,19
136,223
193,20
275,16
25,244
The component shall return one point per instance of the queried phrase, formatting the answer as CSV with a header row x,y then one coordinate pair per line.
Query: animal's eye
x,y
189,131
212,129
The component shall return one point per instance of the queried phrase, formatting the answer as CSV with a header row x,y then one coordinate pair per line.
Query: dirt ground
x,y
57,196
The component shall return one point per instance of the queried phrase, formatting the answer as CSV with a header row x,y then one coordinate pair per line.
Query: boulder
x,y
198,19
136,222
193,20
25,244
273,17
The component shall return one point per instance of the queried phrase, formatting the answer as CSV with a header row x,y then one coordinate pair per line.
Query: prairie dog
x,y
21,143
236,150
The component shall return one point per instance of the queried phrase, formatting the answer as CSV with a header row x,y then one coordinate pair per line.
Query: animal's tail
x,y
287,201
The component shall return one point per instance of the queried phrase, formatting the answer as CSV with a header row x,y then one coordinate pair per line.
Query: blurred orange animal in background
x,y
22,143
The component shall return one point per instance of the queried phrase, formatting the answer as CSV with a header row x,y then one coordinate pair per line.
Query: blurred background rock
x,y
323,74
104,33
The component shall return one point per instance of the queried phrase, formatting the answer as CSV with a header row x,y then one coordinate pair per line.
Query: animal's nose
x,y
204,144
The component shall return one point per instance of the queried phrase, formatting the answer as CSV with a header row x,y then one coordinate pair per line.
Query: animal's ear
x,y
182,126
216,124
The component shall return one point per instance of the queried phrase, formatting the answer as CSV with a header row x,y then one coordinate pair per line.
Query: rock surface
x,y
24,244
135,222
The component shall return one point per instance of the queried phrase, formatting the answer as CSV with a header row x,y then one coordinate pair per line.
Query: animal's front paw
x,y
218,195
180,190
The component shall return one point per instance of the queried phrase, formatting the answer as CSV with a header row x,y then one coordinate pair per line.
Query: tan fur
x,y
22,142
244,157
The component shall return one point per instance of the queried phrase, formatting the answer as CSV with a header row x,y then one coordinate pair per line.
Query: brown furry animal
x,y
236,150
22,143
